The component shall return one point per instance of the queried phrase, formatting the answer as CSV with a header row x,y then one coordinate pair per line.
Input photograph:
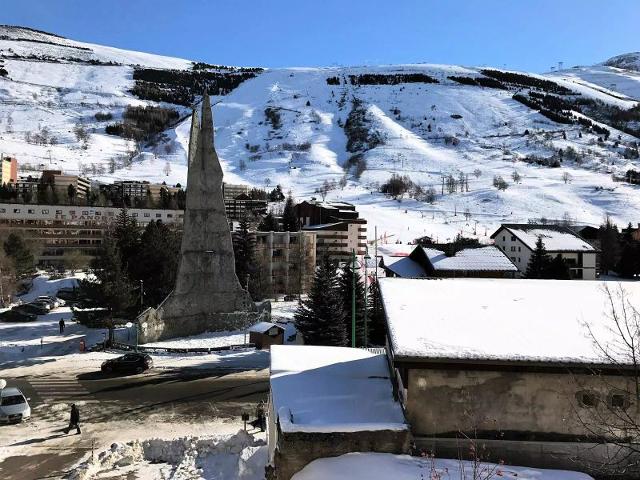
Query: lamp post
x,y
141,295
366,304
353,298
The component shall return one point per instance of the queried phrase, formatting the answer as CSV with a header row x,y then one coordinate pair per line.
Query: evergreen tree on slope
x,y
320,318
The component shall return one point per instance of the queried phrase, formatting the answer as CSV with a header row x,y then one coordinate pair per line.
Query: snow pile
x,y
228,457
332,389
205,340
503,319
383,466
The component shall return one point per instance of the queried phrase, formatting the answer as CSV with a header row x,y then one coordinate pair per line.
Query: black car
x,y
129,363
34,308
17,316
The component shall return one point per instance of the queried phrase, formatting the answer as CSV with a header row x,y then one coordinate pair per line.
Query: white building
x,y
518,241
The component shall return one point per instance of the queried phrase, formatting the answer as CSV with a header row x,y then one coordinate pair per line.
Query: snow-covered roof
x,y
383,466
471,259
320,226
502,319
332,389
262,327
555,238
395,257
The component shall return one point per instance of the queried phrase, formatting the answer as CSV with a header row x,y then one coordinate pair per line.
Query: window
x,y
147,214
587,399
519,249
16,210
31,210
518,259
513,259
98,214
513,238
504,238
85,212
45,211
619,400
158,215
58,212
134,214
169,215
3,210
513,249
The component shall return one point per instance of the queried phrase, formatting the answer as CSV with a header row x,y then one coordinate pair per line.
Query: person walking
x,y
260,416
74,420
61,325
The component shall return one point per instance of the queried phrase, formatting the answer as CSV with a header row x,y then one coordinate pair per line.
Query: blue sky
x,y
527,35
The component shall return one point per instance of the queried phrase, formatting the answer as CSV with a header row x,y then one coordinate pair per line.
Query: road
x,y
185,395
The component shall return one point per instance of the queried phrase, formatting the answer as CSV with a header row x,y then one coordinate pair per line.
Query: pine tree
x,y
158,261
345,287
539,261
269,224
289,219
21,255
557,269
110,286
377,325
609,245
244,252
126,234
320,318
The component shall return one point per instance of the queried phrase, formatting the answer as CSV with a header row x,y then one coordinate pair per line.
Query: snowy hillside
x,y
293,127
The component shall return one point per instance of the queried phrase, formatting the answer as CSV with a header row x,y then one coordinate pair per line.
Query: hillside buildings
x,y
286,261
518,241
61,183
338,227
59,231
9,170
512,365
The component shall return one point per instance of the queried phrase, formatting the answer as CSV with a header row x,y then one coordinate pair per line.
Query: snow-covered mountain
x,y
353,127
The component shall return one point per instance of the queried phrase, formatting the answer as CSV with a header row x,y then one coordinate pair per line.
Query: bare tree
x,y
566,177
516,176
167,169
477,173
613,396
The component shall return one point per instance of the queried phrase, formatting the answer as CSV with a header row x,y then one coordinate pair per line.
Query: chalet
x,y
511,364
518,241
328,401
415,261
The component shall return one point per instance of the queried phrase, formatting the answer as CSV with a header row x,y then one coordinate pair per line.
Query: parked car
x,y
68,293
290,298
37,309
14,406
14,315
52,301
128,363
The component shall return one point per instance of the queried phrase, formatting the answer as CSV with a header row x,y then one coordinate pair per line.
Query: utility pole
x,y
141,295
366,304
353,298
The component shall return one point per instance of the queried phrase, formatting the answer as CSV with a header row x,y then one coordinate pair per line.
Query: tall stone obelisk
x,y
207,295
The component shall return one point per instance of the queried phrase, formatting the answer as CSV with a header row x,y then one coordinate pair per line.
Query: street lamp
x,y
367,257
354,265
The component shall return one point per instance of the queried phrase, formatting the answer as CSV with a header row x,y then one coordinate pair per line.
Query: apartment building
x,y
286,260
61,183
231,191
518,241
9,170
338,227
58,230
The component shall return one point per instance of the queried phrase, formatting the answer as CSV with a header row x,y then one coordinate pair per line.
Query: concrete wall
x,y
295,450
441,401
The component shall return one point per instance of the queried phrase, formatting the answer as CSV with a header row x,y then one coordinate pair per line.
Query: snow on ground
x,y
221,457
310,146
332,389
504,319
383,466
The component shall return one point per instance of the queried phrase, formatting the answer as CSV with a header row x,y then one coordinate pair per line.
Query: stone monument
x,y
207,295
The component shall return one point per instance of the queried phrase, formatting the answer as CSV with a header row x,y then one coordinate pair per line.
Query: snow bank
x,y
228,457
383,466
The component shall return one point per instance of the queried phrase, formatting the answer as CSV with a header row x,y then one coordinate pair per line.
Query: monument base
x,y
155,325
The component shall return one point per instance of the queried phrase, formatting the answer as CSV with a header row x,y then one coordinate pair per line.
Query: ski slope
x,y
310,145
